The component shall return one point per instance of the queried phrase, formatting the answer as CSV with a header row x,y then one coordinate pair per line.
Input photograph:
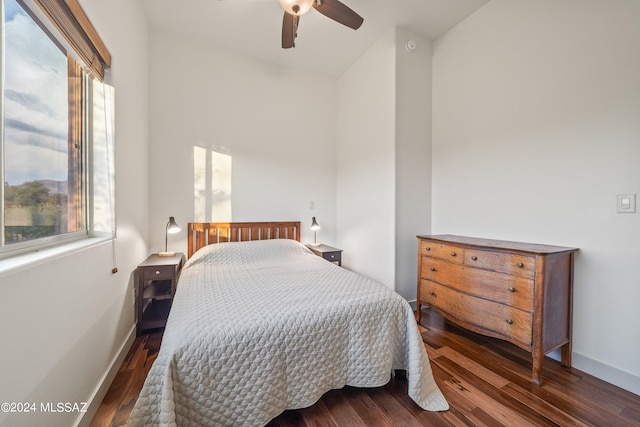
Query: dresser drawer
x,y
158,272
499,319
501,287
521,265
450,253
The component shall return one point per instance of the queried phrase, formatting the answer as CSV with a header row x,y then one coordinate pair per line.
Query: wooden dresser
x,y
519,292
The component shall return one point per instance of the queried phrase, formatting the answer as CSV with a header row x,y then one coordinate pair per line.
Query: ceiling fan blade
x,y
339,12
289,30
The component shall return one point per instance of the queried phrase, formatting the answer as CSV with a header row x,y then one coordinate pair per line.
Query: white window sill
x,y
27,260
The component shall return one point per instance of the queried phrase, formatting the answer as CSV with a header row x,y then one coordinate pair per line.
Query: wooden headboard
x,y
207,233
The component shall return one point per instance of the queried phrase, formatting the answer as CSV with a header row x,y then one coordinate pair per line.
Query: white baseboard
x,y
101,389
608,373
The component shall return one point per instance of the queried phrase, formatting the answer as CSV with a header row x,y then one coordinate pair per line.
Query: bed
x,y
259,324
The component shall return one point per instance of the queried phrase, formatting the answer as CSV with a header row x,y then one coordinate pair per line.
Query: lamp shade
x,y
296,7
172,226
314,224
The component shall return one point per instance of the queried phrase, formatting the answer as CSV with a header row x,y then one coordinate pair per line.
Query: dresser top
x,y
499,244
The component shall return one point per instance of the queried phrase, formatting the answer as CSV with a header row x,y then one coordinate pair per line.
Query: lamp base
x,y
166,253
314,244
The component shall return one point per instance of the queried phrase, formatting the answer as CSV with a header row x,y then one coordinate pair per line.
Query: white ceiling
x,y
253,27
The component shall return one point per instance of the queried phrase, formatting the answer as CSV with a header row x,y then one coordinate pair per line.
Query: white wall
x,y
384,159
277,124
366,163
413,156
64,320
536,129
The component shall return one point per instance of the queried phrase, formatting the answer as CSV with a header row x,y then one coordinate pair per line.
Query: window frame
x,y
69,28
73,24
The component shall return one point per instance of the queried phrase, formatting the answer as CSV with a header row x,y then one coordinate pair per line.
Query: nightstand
x,y
327,252
157,282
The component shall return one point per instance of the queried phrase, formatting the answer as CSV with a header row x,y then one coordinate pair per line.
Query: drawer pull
x,y
509,321
432,293
520,265
157,271
428,248
511,289
453,254
474,258
433,269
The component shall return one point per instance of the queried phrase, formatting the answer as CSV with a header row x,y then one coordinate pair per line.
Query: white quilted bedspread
x,y
260,327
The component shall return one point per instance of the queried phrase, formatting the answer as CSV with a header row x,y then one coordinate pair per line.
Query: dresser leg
x,y
419,313
538,358
565,355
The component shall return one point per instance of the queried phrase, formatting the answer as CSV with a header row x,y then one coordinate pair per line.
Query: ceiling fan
x,y
333,9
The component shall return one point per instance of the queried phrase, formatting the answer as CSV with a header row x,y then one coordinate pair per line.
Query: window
x,y
48,101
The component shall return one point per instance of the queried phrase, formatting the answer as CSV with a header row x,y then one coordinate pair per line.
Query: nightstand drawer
x,y
159,272
327,252
332,256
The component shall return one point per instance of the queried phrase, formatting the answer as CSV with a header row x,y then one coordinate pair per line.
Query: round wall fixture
x,y
411,46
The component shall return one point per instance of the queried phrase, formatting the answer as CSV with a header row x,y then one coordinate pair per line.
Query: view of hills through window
x,y
39,158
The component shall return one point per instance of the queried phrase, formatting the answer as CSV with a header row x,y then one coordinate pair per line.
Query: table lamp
x,y
172,228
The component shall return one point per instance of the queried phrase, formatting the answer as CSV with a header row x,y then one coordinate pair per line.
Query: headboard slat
x,y
212,236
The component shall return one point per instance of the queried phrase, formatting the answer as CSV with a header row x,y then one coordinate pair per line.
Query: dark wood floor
x,y
485,381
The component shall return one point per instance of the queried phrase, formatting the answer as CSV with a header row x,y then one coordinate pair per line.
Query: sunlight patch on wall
x,y
211,184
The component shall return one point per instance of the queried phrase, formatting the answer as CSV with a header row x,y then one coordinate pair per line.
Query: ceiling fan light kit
x,y
333,9
296,7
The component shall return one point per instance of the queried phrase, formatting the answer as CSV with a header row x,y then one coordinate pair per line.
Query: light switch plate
x,y
626,203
